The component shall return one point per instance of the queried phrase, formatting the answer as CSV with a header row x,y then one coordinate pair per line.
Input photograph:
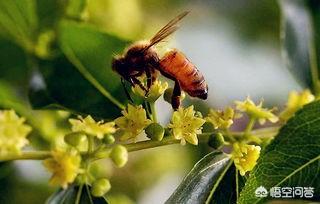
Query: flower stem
x,y
261,132
249,126
34,155
103,153
151,144
79,194
147,108
90,144
237,184
153,112
165,141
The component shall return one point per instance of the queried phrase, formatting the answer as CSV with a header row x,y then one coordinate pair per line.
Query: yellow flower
x,y
245,156
295,102
221,119
91,127
186,125
64,167
256,111
156,90
133,121
13,132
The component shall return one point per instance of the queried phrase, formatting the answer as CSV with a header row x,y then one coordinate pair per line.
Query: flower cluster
x,y
185,125
256,111
133,122
64,166
245,156
221,119
89,126
13,133
156,90
295,102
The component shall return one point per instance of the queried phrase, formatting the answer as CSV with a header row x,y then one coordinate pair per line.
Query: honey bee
x,y
141,58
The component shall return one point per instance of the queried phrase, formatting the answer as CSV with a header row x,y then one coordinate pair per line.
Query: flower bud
x,y
108,139
76,139
216,140
155,131
100,187
208,127
119,155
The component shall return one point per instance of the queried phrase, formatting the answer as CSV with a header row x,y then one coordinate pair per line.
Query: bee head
x,y
119,65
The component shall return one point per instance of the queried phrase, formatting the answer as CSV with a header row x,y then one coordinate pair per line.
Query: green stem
x,y
147,108
104,152
90,144
229,135
79,194
151,144
153,112
237,185
261,133
35,155
249,126
165,141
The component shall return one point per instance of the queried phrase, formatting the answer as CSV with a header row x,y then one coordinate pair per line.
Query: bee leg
x,y
149,80
125,90
175,99
136,81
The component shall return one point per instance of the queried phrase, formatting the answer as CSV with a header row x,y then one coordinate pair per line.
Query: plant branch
x,y
103,153
165,141
249,126
32,155
261,132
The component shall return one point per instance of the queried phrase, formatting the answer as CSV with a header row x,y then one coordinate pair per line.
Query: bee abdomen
x,y
190,78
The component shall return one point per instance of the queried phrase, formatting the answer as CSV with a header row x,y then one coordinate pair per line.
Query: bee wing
x,y
167,30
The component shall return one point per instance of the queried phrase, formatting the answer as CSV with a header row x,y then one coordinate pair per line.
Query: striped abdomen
x,y
175,64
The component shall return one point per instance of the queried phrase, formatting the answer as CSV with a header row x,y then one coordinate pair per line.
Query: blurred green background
x,y
234,43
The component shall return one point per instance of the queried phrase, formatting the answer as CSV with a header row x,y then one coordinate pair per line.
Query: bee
x,y
141,58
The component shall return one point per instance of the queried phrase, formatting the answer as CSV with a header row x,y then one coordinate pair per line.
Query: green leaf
x,y
203,180
13,64
75,195
49,12
18,22
300,26
60,86
295,35
8,99
226,193
314,6
91,52
83,81
75,8
292,159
